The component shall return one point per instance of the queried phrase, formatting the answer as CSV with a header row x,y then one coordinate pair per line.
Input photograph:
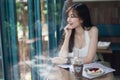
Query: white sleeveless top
x,y
83,52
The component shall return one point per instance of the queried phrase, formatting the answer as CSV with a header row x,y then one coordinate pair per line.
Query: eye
x,y
73,16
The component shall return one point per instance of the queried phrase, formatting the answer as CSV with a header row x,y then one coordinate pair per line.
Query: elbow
x,y
63,54
88,60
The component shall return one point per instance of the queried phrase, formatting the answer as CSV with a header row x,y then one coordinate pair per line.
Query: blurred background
x,y
30,30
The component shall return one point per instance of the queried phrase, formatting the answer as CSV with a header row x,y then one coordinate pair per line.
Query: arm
x,y
64,49
61,59
93,45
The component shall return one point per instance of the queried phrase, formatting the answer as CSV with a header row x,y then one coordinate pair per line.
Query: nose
x,y
68,20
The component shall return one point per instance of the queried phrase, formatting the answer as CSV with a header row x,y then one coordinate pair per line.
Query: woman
x,y
80,35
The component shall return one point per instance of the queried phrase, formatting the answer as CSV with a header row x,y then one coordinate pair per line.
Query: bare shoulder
x,y
93,31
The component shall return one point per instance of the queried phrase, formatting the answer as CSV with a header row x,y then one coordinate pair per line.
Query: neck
x,y
79,30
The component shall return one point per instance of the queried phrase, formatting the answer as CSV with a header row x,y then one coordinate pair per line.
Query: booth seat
x,y
111,33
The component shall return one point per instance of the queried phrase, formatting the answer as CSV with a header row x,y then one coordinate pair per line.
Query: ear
x,y
81,21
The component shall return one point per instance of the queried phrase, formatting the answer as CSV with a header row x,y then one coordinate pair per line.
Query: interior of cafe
x,y
31,32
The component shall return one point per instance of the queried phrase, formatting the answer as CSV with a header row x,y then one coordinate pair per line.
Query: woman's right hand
x,y
68,30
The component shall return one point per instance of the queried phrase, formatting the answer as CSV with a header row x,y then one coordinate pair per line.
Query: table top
x,y
53,72
65,74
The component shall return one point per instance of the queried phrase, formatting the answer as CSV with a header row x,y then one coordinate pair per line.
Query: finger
x,y
67,28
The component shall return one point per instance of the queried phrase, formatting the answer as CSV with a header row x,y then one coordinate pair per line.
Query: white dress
x,y
83,52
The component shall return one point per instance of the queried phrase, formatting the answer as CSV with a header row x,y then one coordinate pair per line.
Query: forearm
x,y
87,60
64,49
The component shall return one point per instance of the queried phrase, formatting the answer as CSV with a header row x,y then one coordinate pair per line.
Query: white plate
x,y
94,71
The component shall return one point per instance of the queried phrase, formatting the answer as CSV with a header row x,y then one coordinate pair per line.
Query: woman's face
x,y
73,20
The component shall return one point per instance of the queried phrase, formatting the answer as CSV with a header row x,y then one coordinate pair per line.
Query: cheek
x,y
77,22
81,21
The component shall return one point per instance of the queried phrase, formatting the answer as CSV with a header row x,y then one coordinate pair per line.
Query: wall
x,y
105,12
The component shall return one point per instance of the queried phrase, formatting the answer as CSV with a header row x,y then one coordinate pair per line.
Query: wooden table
x,y
54,72
104,51
64,74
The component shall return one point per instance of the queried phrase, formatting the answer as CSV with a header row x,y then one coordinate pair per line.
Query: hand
x,y
68,30
59,60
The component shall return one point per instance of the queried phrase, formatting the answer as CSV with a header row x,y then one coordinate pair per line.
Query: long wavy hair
x,y
82,11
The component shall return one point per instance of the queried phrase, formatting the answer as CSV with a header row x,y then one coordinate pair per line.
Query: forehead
x,y
72,12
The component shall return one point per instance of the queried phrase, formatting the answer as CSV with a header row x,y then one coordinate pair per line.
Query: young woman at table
x,y
79,34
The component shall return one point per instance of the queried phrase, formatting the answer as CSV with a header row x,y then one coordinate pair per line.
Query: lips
x,y
71,23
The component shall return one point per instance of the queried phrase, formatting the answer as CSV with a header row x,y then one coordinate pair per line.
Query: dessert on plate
x,y
94,71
